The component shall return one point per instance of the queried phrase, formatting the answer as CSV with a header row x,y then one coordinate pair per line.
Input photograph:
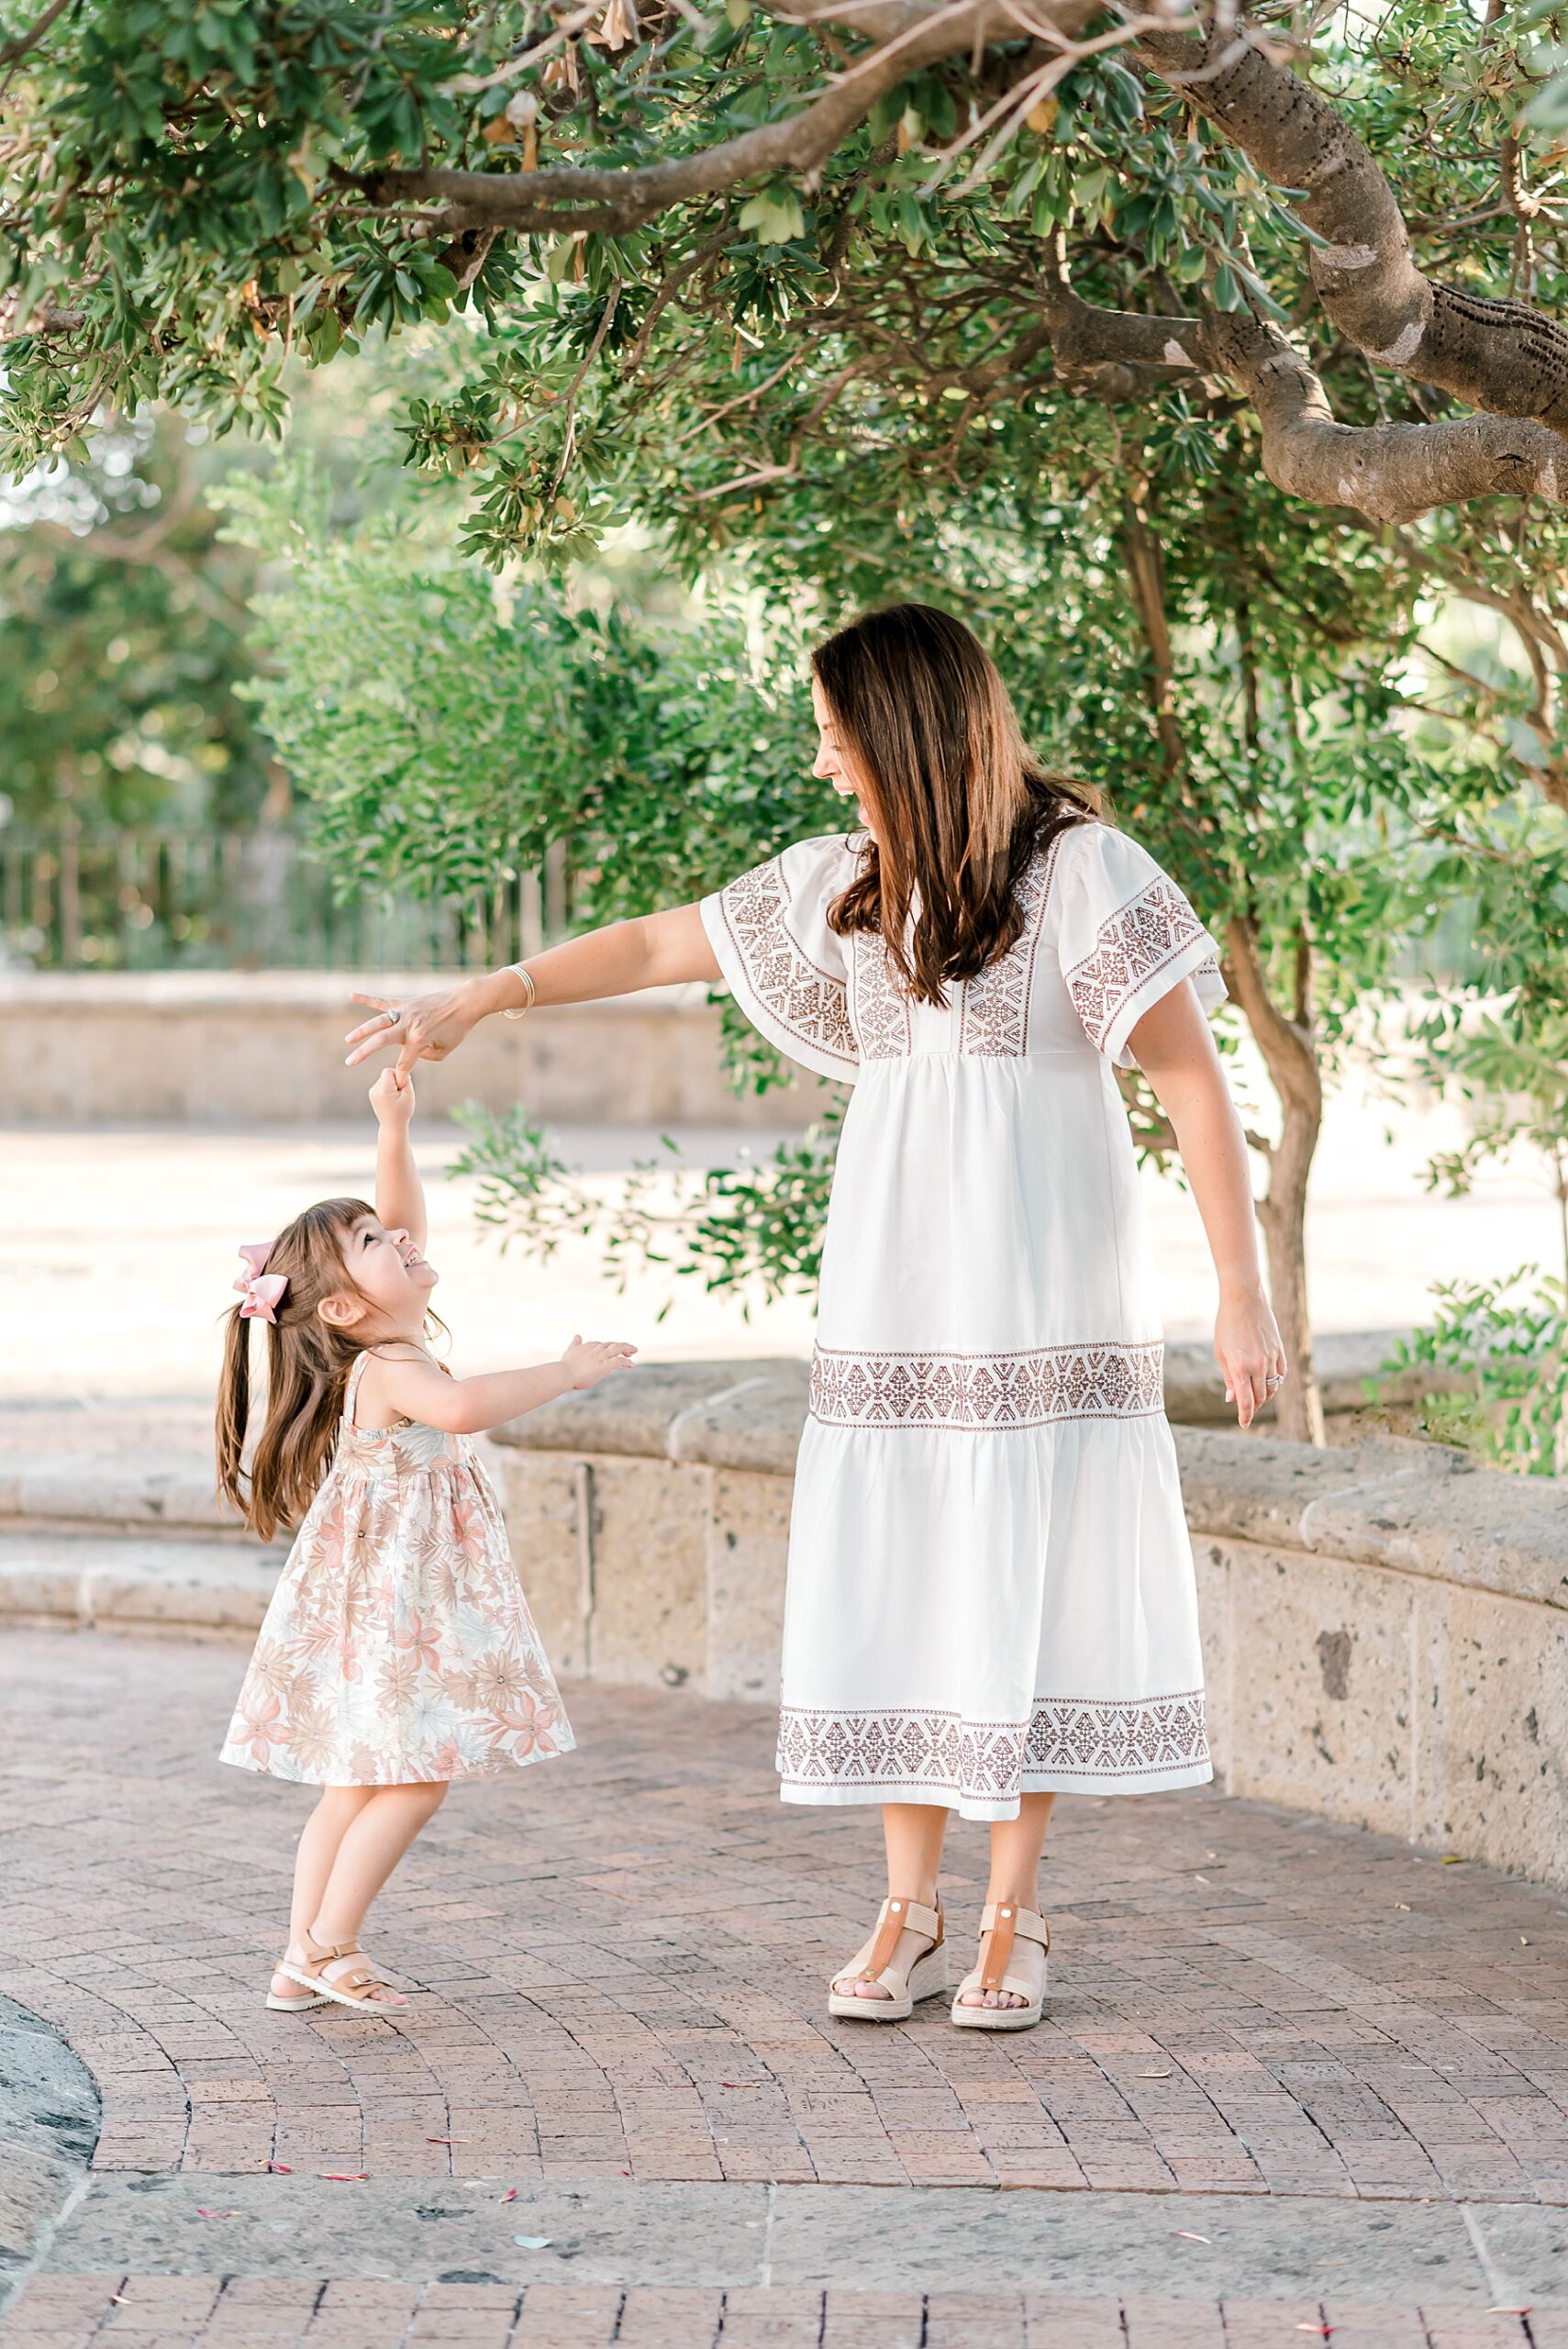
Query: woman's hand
x,y
587,1360
426,1029
392,1098
1248,1349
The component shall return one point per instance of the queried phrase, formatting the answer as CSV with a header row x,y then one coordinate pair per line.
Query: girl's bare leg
x,y
913,1833
1016,1846
322,1833
369,1848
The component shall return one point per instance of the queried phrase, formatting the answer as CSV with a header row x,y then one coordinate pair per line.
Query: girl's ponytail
x,y
308,1363
233,1411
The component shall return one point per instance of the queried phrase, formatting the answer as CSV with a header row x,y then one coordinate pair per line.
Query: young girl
x,y
398,1652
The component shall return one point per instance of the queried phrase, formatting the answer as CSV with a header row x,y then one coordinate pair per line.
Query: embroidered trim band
x,y
808,1003
1078,1737
1108,1381
1137,941
882,1014
994,1014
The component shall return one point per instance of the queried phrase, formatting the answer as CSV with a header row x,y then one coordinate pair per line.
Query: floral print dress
x,y
398,1646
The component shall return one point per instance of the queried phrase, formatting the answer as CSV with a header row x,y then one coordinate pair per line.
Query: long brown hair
x,y
960,804
308,1363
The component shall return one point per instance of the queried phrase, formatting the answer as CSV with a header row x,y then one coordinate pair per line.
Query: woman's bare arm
x,y
657,950
1175,1050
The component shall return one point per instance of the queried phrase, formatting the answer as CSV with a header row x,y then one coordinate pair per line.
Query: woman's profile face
x,y
833,763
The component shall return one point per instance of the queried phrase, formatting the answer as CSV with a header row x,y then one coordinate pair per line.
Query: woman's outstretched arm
x,y
1175,1051
657,950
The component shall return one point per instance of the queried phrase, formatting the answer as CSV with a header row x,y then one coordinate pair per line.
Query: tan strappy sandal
x,y
1003,1922
927,1977
303,2004
353,1990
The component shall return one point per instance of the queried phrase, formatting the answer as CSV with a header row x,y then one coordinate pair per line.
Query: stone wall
x,y
1386,1629
187,1047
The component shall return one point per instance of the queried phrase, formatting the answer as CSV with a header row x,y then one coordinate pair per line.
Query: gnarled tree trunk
x,y
1292,1063
1285,1043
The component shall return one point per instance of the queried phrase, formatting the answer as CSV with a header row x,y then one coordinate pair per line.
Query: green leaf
x,y
774,216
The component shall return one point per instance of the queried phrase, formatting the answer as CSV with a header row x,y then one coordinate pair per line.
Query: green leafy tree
x,y
449,732
124,614
1518,1088
1506,1340
122,629
1504,1344
1130,206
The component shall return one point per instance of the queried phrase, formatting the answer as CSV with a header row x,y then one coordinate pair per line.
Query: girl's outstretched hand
x,y
587,1360
392,1098
1248,1349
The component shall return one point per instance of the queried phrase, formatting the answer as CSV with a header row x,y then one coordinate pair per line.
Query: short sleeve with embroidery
x,y
1125,935
786,969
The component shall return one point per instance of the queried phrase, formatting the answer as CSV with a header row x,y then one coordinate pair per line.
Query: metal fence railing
x,y
168,900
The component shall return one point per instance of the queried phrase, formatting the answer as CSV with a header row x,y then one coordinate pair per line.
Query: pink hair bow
x,y
260,1289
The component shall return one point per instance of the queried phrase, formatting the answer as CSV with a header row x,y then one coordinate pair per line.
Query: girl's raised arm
x,y
657,950
399,1193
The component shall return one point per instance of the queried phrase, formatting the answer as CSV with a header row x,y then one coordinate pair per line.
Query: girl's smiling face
x,y
833,762
391,1280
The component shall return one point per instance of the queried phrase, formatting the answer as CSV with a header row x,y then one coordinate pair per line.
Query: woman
x,y
991,1593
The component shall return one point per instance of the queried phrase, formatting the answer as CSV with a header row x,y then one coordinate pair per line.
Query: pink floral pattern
x,y
399,1644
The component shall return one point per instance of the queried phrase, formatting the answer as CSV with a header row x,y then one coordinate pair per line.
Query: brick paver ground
x,y
617,1962
239,2312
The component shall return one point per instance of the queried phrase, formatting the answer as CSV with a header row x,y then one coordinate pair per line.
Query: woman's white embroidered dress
x,y
991,1586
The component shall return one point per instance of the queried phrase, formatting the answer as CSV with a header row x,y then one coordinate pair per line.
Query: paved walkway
x,y
249,2312
1288,2068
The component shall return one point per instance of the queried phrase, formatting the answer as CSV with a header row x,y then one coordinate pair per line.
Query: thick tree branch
x,y
568,197
1502,357
1391,471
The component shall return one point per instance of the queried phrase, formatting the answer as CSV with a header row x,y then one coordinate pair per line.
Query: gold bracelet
x,y
518,1010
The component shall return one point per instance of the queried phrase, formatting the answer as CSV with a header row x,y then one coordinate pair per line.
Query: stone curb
x,y
932,2238
96,1538
49,2125
1418,1509
1413,1507
92,1490
741,1414
134,1582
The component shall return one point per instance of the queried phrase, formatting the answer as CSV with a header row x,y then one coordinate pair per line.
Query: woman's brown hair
x,y
308,1363
960,804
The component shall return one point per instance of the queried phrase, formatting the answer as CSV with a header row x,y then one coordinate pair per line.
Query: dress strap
x,y
351,1392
